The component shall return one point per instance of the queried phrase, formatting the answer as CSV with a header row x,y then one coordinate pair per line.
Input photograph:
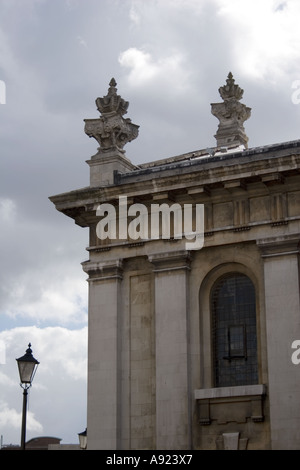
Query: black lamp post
x,y
83,439
27,365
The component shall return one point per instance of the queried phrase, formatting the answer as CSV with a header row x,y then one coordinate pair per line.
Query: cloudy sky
x,y
169,57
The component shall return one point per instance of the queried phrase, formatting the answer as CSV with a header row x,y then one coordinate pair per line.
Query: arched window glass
x,y
234,331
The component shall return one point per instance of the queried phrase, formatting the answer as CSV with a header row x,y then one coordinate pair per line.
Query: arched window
x,y
234,331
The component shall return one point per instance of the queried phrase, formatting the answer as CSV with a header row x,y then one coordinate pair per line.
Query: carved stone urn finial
x,y
112,102
232,114
231,90
112,131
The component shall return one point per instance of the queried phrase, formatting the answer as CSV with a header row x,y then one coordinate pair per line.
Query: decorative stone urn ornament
x,y
112,131
232,114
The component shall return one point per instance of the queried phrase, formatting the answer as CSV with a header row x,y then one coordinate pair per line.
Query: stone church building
x,y
191,346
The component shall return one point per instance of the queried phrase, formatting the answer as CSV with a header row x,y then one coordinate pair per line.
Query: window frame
x,y
237,370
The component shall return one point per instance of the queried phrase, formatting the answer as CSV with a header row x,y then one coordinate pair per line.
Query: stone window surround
x,y
227,267
209,396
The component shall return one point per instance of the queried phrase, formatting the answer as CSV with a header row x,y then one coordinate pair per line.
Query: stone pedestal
x,y
105,165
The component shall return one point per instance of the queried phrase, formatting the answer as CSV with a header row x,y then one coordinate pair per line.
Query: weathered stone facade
x,y
152,314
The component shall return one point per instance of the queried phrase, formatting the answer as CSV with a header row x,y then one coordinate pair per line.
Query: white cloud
x,y
265,36
62,301
5,380
9,417
2,354
8,62
82,41
59,350
144,68
140,10
7,210
141,64
134,14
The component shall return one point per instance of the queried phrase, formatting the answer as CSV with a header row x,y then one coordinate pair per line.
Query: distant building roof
x,y
36,443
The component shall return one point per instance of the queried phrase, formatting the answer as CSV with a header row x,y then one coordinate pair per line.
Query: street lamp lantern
x,y
27,365
83,439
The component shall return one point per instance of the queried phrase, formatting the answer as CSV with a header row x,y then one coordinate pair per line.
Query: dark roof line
x,y
196,158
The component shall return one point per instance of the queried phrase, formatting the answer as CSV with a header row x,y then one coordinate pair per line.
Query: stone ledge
x,y
230,404
227,392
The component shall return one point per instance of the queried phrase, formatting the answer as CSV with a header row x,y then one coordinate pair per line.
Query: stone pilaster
x,y
173,421
281,279
142,362
103,414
